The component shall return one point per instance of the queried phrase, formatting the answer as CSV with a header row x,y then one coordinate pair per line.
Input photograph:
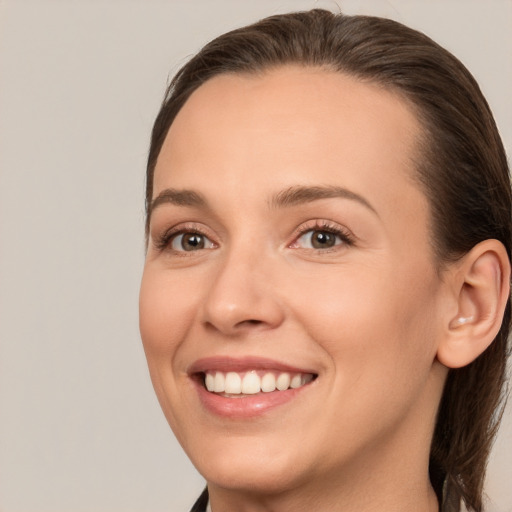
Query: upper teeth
x,y
250,383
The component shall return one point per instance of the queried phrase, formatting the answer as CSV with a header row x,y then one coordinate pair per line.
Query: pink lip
x,y
247,406
226,364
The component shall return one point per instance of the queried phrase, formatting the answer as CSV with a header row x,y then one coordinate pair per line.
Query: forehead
x,y
292,125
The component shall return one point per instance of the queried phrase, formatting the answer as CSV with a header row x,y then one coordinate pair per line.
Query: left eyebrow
x,y
298,195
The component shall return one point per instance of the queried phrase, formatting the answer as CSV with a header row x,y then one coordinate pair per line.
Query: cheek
x,y
163,319
377,320
163,323
376,332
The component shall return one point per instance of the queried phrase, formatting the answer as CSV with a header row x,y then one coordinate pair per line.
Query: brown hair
x,y
463,171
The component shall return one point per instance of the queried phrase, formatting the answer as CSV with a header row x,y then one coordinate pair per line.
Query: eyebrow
x,y
298,195
179,198
292,196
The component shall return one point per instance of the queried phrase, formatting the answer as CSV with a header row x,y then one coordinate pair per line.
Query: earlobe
x,y
482,286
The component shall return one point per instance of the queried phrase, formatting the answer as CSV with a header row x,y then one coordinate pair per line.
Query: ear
x,y
481,284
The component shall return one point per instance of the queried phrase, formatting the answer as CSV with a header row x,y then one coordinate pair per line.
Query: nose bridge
x,y
241,294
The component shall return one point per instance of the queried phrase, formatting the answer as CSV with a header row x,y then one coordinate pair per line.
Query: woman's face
x,y
289,247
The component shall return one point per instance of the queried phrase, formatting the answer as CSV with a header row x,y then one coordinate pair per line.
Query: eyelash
x,y
326,226
165,239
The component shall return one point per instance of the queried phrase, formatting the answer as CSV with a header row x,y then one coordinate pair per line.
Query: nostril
x,y
249,322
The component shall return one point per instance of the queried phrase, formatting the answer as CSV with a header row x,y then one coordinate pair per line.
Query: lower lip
x,y
247,406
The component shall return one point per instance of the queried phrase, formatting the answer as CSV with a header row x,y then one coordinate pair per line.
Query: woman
x,y
325,301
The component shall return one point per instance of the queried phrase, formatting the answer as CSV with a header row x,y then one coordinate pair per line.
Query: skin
x,y
367,316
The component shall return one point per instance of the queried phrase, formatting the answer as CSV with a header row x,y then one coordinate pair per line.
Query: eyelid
x,y
329,226
163,239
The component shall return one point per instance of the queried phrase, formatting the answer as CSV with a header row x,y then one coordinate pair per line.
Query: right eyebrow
x,y
178,198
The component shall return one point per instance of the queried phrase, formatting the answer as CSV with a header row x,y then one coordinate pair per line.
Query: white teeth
x,y
233,384
296,382
251,383
268,383
218,382
283,381
210,382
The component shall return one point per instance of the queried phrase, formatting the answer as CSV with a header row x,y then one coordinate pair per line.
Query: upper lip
x,y
226,364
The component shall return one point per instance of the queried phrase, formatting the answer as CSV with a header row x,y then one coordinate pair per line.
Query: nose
x,y
243,296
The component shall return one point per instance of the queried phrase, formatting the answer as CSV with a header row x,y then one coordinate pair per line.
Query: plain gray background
x,y
80,84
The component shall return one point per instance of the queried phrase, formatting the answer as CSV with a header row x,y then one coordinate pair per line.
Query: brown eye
x,y
322,239
191,242
319,239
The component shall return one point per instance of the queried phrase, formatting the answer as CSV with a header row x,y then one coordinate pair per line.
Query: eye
x,y
316,239
322,237
190,241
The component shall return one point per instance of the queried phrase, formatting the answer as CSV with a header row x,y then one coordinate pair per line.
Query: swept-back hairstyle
x,y
461,167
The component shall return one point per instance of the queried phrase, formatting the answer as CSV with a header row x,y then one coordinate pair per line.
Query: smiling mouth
x,y
239,384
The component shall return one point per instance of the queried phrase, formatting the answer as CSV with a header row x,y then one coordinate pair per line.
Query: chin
x,y
250,477
248,467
